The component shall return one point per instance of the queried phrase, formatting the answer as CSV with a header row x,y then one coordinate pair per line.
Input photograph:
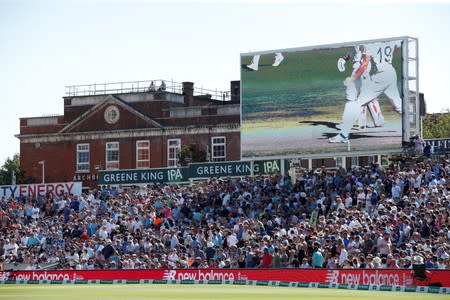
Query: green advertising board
x,y
221,169
267,166
193,171
137,176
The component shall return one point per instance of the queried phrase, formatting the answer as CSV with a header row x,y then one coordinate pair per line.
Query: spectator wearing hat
x,y
377,263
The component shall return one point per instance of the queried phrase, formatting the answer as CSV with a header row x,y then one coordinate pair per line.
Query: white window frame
x,y
173,161
355,161
339,161
112,164
83,166
139,161
216,142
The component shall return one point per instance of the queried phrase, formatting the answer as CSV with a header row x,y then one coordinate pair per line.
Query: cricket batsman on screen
x,y
362,89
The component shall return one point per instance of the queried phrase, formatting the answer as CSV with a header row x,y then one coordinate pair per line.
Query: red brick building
x,y
128,126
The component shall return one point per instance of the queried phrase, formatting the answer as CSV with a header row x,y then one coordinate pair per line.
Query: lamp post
x,y
42,162
97,169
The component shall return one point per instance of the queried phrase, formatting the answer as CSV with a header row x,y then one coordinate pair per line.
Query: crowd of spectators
x,y
369,217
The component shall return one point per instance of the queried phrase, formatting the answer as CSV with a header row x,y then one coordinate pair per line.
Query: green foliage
x,y
191,153
436,126
7,169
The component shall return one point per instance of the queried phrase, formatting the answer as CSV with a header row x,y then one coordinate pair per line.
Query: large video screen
x,y
324,99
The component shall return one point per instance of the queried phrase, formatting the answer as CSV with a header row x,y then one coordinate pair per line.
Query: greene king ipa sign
x,y
195,170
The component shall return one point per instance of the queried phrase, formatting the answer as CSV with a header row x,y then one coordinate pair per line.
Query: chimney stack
x,y
188,92
235,89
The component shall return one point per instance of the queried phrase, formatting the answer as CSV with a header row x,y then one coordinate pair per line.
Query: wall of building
x,y
61,165
153,116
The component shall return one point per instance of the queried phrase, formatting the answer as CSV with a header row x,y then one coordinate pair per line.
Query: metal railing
x,y
439,146
142,87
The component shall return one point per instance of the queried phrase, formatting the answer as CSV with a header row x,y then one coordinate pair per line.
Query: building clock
x,y
112,114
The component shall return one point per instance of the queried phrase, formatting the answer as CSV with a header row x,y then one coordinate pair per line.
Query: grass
x,y
155,292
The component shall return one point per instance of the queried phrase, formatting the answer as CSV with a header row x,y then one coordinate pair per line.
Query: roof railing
x,y
171,86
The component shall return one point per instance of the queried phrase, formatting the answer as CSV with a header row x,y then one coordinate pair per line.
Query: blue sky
x,y
47,45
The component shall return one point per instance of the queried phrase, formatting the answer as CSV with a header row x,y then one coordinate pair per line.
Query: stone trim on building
x,y
129,133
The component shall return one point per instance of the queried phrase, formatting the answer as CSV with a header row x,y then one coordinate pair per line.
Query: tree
x,y
191,153
436,126
6,171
